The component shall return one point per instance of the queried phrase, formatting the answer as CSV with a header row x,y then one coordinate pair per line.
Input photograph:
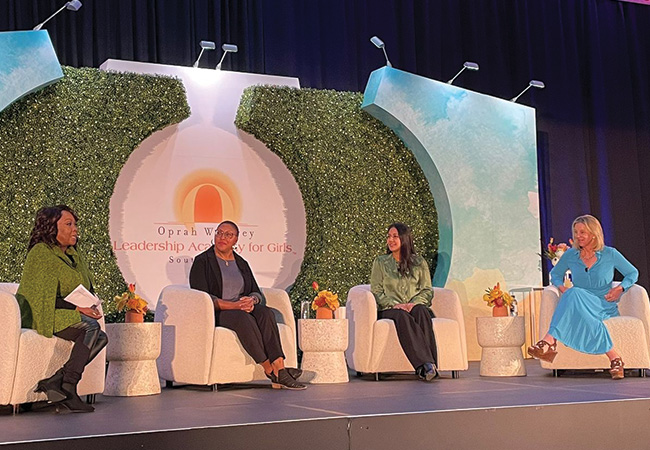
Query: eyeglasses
x,y
227,235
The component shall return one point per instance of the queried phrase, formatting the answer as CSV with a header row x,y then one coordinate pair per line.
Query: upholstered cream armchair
x,y
27,357
630,333
194,351
374,346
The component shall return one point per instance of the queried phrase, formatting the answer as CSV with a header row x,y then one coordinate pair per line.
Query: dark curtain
x,y
593,55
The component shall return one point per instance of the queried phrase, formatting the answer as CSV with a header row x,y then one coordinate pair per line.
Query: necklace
x,y
226,261
587,259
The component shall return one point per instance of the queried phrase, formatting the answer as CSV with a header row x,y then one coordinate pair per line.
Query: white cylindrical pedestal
x,y
132,351
501,339
323,342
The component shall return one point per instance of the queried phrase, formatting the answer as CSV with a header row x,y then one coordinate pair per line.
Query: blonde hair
x,y
593,226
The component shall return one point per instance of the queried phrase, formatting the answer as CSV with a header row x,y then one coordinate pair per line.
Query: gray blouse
x,y
233,282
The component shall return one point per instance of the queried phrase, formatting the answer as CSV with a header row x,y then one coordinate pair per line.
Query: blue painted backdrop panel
x,y
479,155
27,63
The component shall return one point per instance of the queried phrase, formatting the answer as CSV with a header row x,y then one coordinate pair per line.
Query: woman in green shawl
x,y
53,269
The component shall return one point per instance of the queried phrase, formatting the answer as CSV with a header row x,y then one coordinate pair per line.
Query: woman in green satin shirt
x,y
401,283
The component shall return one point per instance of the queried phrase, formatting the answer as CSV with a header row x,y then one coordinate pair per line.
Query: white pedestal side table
x,y
132,351
323,342
501,339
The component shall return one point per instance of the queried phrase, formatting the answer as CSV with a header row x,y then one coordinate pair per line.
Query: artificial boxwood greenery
x,y
355,175
67,144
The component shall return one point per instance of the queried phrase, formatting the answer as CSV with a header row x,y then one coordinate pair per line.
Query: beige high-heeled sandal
x,y
537,351
617,370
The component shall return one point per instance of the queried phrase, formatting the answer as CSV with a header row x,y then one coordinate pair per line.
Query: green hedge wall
x,y
67,144
355,175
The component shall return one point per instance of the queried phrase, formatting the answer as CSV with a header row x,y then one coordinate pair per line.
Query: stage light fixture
x,y
72,5
469,65
380,44
205,45
227,48
533,83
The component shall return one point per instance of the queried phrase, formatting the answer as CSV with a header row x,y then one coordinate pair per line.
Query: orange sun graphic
x,y
206,196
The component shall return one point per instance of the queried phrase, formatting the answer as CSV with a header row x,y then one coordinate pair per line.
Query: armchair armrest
x,y
278,299
187,318
634,302
361,310
446,305
9,337
550,299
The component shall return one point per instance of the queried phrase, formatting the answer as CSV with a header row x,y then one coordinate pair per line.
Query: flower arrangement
x,y
324,299
497,297
555,251
130,301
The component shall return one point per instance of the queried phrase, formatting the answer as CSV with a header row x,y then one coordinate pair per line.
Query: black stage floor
x,y
464,412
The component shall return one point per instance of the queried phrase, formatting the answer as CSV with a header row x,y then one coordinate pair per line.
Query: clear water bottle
x,y
305,307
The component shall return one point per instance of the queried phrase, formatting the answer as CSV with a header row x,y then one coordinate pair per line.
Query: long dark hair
x,y
407,249
45,228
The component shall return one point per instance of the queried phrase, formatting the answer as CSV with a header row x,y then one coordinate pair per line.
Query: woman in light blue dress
x,y
578,319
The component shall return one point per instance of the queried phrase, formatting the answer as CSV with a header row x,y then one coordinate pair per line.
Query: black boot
x,y
52,387
72,403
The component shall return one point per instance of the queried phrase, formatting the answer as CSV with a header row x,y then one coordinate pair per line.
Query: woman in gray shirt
x,y
240,306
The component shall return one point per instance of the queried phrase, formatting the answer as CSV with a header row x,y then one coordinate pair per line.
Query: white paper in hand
x,y
82,297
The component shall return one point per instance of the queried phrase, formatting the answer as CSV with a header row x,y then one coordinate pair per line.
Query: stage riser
x,y
605,425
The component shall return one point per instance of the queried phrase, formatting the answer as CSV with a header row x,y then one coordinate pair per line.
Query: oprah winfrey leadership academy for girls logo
x,y
206,196
201,200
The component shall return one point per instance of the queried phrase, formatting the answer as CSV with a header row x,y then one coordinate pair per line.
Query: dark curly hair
x,y
45,227
407,250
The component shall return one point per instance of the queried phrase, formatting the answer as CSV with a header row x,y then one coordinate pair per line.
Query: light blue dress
x,y
578,319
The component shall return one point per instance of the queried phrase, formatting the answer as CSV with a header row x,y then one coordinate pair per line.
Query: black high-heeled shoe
x,y
52,387
73,402
427,372
285,381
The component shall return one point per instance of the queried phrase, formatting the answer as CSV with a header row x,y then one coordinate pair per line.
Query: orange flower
x,y
325,299
131,301
497,297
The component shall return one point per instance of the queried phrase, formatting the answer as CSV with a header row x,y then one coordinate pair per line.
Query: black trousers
x,y
257,331
89,340
415,333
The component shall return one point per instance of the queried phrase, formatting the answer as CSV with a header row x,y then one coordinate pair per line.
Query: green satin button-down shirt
x,y
390,288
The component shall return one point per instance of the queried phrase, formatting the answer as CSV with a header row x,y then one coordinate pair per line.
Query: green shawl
x,y
49,273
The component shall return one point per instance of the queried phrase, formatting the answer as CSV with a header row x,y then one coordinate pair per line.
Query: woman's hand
x,y
246,303
614,294
405,306
562,289
93,313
